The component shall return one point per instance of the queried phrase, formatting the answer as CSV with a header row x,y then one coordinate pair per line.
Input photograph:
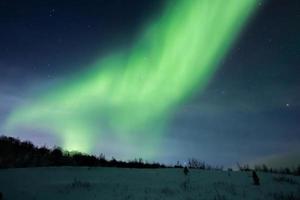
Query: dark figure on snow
x,y
186,171
255,178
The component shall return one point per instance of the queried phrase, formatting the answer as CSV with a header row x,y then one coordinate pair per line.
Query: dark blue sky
x,y
249,112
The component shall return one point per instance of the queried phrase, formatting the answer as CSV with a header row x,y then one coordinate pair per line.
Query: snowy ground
x,y
142,184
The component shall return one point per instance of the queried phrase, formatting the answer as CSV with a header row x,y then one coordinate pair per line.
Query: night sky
x,y
244,108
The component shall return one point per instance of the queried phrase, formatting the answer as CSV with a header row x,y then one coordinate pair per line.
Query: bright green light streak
x,y
136,92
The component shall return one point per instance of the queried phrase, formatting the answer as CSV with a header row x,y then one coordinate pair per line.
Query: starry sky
x,y
247,110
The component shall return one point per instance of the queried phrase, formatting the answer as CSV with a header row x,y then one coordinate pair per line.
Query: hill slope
x,y
116,183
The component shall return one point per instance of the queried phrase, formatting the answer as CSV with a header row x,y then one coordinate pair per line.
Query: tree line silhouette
x,y
264,168
15,153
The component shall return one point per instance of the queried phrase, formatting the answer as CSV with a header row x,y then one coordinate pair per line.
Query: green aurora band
x,y
132,95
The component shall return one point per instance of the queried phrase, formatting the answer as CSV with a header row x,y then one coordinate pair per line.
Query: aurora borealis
x,y
131,94
175,56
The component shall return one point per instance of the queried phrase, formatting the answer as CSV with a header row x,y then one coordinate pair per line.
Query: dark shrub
x,y
196,164
186,171
255,178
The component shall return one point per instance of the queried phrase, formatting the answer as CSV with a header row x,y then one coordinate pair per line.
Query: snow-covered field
x,y
142,184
